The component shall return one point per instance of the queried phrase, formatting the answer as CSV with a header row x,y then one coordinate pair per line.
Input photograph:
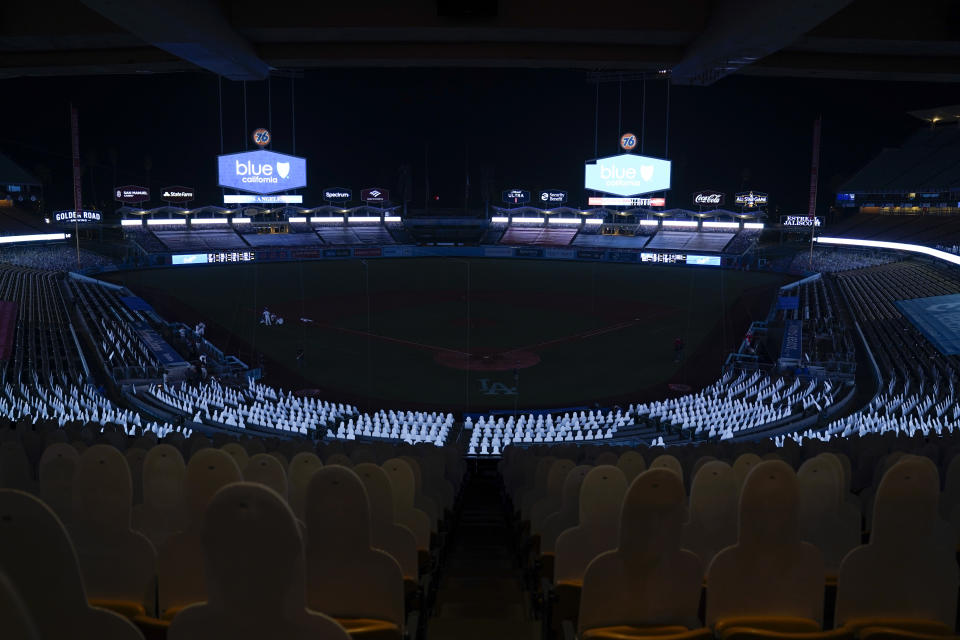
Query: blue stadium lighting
x,y
34,237
896,246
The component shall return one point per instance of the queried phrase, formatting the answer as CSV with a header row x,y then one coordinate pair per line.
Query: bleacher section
x,y
44,346
928,161
146,240
201,240
282,239
374,234
338,235
740,404
548,236
927,229
610,241
917,392
115,331
17,221
690,241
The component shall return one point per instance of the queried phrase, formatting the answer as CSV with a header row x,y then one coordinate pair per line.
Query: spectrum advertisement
x,y
627,175
261,171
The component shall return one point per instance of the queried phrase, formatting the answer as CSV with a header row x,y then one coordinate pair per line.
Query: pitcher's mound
x,y
504,361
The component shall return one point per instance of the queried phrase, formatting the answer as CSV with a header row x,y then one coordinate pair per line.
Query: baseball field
x,y
468,334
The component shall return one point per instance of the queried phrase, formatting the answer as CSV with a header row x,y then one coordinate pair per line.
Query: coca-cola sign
x,y
708,197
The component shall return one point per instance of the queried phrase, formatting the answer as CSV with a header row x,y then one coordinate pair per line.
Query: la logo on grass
x,y
496,388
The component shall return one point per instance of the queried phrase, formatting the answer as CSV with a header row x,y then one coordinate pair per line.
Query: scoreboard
x,y
207,258
231,256
681,258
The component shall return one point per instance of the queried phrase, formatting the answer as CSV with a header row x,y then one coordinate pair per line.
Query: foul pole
x,y
77,200
814,175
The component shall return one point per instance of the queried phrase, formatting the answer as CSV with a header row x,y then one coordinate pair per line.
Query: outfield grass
x,y
602,332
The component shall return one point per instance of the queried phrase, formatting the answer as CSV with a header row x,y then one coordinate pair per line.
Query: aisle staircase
x,y
481,594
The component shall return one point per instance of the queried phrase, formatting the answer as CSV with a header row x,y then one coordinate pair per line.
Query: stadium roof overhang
x,y
12,173
939,114
695,41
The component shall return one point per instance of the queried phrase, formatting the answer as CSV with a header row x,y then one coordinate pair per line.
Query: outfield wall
x,y
288,254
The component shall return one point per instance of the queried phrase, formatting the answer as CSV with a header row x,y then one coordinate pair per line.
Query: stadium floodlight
x,y
241,220
392,218
713,224
563,220
166,221
33,237
323,219
208,221
297,219
753,225
679,223
524,220
594,221
363,219
500,219
896,246
649,223
131,223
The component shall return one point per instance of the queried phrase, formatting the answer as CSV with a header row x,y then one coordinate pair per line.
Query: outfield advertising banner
x,y
627,175
528,252
189,258
938,318
591,254
261,171
703,261
559,254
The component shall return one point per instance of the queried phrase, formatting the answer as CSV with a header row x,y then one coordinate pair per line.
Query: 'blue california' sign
x,y
628,175
261,171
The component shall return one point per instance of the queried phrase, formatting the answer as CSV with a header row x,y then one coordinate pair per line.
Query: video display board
x,y
627,174
261,171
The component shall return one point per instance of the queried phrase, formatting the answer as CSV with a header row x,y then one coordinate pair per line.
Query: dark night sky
x,y
525,128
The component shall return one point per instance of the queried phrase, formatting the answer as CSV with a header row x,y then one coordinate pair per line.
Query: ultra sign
x,y
516,196
627,175
261,171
